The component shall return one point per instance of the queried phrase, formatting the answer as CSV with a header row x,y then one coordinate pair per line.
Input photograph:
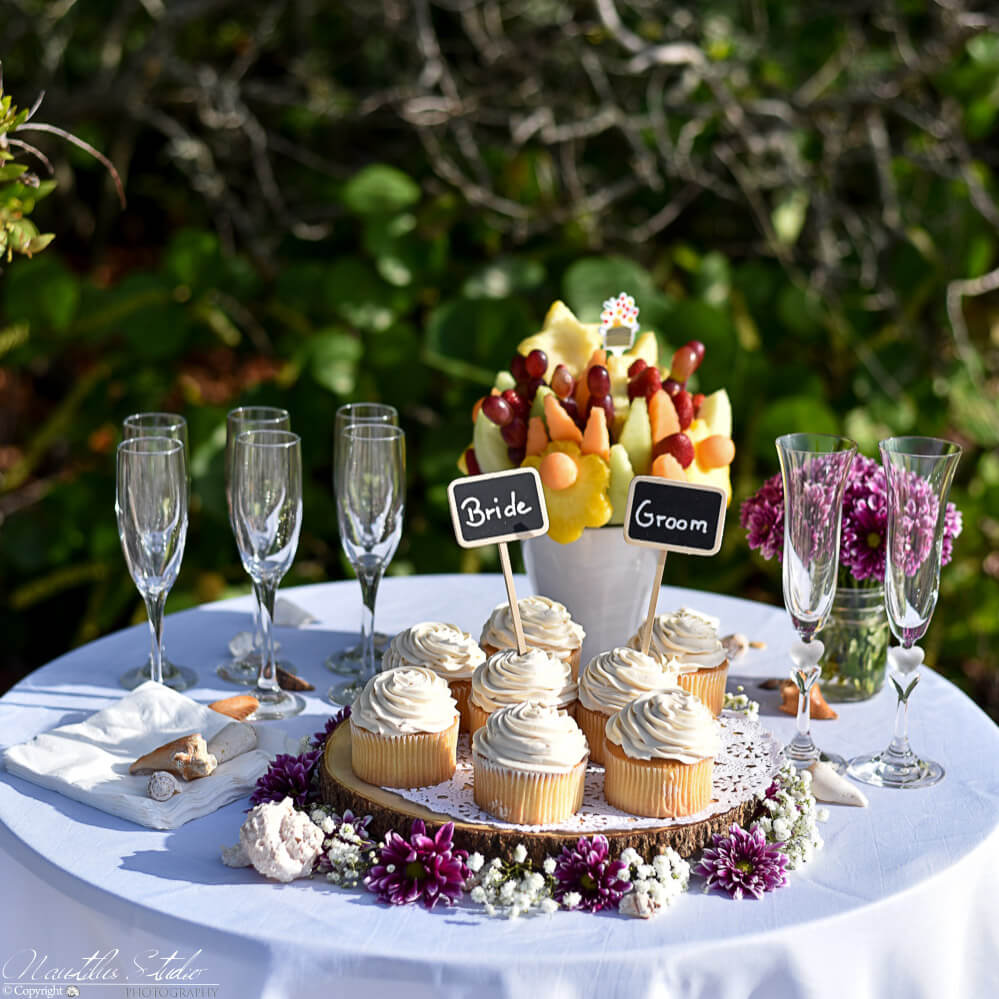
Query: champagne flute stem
x,y
803,719
900,736
267,678
155,603
369,578
258,635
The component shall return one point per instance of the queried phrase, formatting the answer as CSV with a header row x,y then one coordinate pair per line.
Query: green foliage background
x,y
384,280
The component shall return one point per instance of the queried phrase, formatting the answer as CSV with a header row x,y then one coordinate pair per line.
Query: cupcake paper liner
x,y
593,724
526,798
708,685
413,760
656,788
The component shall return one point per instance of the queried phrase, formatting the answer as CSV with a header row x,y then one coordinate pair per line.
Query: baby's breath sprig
x,y
740,703
790,815
348,852
655,886
512,888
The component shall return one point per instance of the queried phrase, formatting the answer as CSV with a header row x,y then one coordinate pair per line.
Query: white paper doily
x,y
745,767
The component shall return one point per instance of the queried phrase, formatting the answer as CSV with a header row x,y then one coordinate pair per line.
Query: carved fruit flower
x,y
575,487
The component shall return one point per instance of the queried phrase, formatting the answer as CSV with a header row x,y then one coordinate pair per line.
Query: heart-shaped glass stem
x,y
918,474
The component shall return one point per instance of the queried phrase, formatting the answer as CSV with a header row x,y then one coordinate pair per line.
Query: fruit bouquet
x,y
590,418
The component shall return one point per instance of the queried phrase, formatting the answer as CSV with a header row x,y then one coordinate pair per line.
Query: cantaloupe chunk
x,y
667,467
596,439
662,416
537,436
560,424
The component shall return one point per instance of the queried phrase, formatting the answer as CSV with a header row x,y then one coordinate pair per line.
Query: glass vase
x,y
856,637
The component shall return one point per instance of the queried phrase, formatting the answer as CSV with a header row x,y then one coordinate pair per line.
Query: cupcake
x,y
507,677
404,729
450,652
529,763
659,755
691,638
608,682
547,626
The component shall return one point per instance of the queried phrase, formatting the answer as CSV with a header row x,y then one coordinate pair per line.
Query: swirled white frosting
x,y
546,623
403,701
444,648
538,738
686,635
612,679
507,677
665,725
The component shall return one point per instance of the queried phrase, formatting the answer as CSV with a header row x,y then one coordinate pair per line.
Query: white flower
x,y
475,862
506,892
478,895
549,865
571,899
631,857
548,906
519,853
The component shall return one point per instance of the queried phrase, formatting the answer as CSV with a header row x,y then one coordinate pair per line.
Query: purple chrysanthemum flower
x,y
319,739
289,777
742,863
952,528
588,871
421,868
862,549
359,823
762,515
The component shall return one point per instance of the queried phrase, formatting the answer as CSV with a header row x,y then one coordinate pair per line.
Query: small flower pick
x,y
742,863
619,323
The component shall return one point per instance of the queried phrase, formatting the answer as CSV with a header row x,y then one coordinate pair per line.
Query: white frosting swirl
x,y
546,623
444,648
665,725
533,737
403,701
612,679
507,677
686,635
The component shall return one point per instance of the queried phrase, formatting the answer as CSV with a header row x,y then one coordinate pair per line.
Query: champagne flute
x,y
813,469
173,425
151,508
371,498
243,669
267,518
918,474
349,662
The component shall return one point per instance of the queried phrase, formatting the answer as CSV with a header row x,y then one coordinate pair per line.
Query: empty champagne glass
x,y
173,425
371,499
918,474
244,668
813,469
151,507
349,661
267,518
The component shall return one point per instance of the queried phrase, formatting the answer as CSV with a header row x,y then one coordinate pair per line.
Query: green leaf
x,y
589,282
41,292
333,360
380,190
12,171
472,338
792,414
503,277
193,258
788,216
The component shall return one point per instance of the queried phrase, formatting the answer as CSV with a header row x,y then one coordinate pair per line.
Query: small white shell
x,y
639,905
829,786
162,786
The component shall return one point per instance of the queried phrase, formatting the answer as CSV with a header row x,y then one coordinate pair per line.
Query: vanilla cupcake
x,y
507,677
691,638
659,755
547,626
404,729
450,652
611,680
529,763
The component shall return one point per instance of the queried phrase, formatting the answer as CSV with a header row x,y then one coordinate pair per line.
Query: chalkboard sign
x,y
499,507
677,516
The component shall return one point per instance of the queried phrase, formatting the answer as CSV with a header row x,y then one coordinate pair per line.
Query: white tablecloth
x,y
903,901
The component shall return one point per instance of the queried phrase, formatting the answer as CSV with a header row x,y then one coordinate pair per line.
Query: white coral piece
x,y
280,842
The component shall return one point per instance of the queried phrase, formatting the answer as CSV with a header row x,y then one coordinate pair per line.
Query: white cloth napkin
x,y
89,761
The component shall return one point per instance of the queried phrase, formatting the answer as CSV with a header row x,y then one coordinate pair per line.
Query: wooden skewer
x,y
653,600
511,595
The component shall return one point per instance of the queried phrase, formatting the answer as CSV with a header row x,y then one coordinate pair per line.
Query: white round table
x,y
903,901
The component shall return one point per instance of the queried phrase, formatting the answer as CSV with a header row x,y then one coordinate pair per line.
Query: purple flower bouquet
x,y
856,636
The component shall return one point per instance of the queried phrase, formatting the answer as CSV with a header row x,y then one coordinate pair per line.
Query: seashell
x,y
232,741
289,681
162,786
235,856
831,787
639,905
238,707
818,706
735,645
186,757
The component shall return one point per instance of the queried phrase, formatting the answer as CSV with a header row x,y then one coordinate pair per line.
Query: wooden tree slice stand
x,y
343,790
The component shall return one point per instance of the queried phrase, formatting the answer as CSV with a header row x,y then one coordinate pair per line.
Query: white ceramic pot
x,y
605,583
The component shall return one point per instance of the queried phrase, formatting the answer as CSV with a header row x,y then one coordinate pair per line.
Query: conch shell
x,y
186,757
829,786
818,706
232,741
238,707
